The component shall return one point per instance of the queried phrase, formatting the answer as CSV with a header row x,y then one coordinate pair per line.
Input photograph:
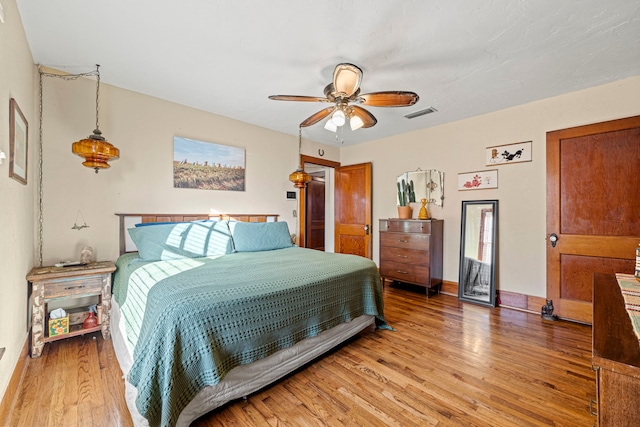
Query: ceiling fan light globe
x,y
355,122
338,118
330,126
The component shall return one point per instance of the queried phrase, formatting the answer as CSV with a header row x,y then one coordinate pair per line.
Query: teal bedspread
x,y
190,321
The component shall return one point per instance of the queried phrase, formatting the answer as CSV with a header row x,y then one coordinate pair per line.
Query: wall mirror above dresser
x,y
478,247
428,184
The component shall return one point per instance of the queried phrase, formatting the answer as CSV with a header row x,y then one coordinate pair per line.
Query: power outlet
x,y
294,213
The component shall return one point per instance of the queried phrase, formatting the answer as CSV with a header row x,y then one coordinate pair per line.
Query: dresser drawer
x,y
405,272
413,226
404,255
73,287
405,240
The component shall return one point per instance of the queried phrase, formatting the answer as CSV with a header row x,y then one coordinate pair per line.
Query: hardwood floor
x,y
448,364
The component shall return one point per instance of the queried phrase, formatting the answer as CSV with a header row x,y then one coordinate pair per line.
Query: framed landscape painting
x,y
207,166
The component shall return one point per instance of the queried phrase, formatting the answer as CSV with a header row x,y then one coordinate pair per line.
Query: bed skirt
x,y
242,380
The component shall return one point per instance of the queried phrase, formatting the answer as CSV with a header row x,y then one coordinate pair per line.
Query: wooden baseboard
x,y
449,288
521,302
14,383
506,299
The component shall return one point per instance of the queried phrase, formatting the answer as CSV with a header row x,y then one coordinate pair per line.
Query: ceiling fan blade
x,y
366,117
298,98
389,99
346,79
317,117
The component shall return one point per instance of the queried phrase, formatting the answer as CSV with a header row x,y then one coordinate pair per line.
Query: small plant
x,y
403,193
411,193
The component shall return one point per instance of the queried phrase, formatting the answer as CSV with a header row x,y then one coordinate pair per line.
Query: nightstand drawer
x,y
73,287
405,240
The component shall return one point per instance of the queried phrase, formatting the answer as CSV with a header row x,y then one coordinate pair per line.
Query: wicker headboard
x,y
129,220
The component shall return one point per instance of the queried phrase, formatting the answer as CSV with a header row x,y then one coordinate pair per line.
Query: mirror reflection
x,y
477,278
427,184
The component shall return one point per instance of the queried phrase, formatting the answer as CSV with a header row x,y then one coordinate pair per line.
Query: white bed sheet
x,y
242,380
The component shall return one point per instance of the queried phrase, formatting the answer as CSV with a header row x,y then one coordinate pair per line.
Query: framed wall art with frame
x,y
479,180
507,154
18,143
207,166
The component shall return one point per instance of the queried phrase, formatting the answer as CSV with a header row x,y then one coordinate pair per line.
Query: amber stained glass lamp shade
x,y
96,150
299,177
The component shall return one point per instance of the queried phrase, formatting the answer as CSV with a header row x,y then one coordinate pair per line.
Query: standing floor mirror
x,y
478,247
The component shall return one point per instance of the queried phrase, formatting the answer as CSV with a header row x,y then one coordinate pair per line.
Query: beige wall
x,y
460,147
17,219
141,181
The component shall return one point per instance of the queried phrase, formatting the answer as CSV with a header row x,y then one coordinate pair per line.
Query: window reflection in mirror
x,y
477,278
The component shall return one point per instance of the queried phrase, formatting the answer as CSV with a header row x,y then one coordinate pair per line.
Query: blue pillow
x,y
260,236
182,240
147,224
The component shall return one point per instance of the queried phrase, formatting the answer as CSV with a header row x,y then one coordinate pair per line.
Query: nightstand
x,y
47,284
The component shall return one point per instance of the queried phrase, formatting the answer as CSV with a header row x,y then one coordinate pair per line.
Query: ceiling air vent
x,y
421,113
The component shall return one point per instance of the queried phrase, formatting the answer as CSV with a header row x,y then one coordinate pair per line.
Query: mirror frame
x,y
462,295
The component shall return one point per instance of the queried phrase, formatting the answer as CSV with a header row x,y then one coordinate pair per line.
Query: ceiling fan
x,y
344,92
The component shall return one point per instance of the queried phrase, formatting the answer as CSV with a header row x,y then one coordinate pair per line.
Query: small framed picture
x,y
18,143
479,180
510,153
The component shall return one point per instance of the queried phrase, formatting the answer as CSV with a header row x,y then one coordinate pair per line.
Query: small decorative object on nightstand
x,y
91,321
86,255
47,284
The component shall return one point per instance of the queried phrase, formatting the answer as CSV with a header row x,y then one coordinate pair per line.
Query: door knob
x,y
366,229
553,239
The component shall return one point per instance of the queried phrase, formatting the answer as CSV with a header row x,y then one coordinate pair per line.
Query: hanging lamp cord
x,y
40,144
300,147
97,96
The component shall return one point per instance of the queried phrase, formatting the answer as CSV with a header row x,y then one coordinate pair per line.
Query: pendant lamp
x,y
299,177
95,149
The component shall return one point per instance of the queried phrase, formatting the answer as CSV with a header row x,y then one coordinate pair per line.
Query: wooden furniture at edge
x,y
616,356
48,284
411,251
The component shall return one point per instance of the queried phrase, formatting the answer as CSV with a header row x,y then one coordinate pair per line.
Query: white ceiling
x,y
462,57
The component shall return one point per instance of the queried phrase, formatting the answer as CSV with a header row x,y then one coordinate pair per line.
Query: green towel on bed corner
x,y
232,310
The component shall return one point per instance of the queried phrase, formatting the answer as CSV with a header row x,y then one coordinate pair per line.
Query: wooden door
x,y
593,205
315,213
353,210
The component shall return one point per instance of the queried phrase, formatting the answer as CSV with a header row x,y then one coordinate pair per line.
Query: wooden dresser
x,y
616,356
411,251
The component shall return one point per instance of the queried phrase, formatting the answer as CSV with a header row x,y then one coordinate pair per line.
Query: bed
x,y
208,310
